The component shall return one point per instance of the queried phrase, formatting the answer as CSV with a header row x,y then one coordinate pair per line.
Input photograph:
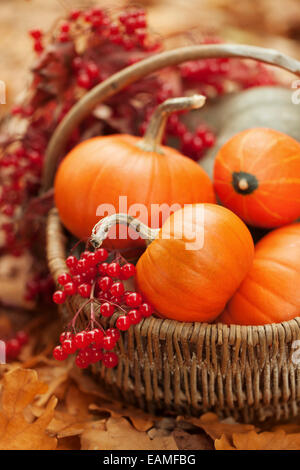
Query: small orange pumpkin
x,y
193,264
270,293
257,176
101,169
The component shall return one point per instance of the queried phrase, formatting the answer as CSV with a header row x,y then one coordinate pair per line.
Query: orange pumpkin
x,y
270,293
257,176
101,169
195,263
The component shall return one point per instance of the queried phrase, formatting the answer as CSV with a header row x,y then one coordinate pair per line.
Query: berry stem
x,y
154,133
101,229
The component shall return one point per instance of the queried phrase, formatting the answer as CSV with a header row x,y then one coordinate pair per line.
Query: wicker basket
x,y
188,368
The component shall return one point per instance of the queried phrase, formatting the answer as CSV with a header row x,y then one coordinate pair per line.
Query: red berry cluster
x,y
14,345
101,283
40,286
37,37
91,346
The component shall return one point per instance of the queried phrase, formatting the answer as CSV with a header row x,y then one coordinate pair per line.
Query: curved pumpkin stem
x,y
101,229
154,133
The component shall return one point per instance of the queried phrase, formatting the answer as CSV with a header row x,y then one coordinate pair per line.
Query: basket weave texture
x,y
189,368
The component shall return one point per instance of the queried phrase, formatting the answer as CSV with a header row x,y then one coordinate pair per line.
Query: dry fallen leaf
x,y
20,388
187,441
252,440
216,428
119,434
223,443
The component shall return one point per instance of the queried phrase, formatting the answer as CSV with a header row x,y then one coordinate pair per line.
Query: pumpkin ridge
x,y
171,280
283,180
191,268
266,152
270,291
188,306
282,198
273,214
222,163
273,261
246,299
94,184
288,159
242,147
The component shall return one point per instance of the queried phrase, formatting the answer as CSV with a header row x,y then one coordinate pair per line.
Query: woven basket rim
x,y
56,235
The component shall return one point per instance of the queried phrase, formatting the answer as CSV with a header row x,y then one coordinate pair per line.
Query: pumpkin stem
x,y
101,229
243,184
154,133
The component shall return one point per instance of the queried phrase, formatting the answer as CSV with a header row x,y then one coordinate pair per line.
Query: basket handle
x,y
129,75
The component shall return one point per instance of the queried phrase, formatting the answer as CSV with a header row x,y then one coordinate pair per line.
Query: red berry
x,y
92,70
81,340
35,33
77,63
82,265
114,333
70,288
96,355
84,290
77,279
64,37
105,283
38,46
83,80
102,268
81,362
107,309
105,296
95,336
65,335
64,278
59,354
117,289
146,309
22,337
135,316
71,261
123,323
69,346
59,297
108,342
110,359
113,270
91,259
134,299
85,254
101,255
65,27
92,272
127,271
86,354
74,15
13,348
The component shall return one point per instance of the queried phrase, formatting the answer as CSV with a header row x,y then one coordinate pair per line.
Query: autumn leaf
x,y
119,434
215,428
252,440
20,388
